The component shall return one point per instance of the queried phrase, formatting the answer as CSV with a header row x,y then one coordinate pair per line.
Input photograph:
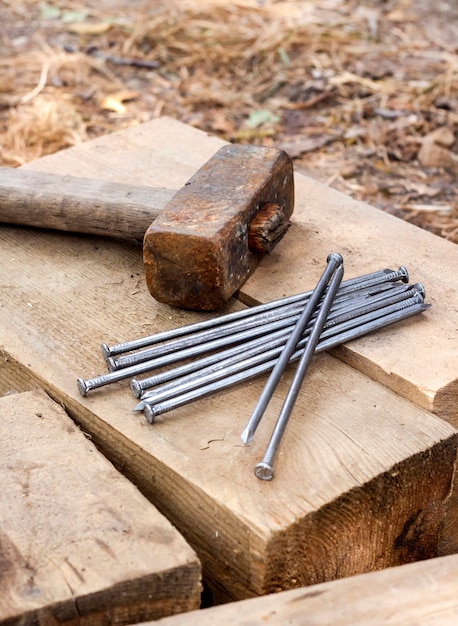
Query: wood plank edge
x,y
418,594
400,514
125,603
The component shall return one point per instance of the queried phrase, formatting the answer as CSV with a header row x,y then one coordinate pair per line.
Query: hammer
x,y
201,242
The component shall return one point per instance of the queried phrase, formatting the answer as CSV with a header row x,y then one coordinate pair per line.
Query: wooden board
x,y
419,594
78,543
418,359
363,474
324,221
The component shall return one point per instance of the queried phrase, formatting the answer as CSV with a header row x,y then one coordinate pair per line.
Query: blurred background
x,y
362,95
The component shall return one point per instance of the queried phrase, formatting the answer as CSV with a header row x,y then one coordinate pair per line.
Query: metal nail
x,y
213,363
370,316
222,330
87,385
151,411
334,261
379,320
190,341
226,362
207,376
264,469
143,342
338,308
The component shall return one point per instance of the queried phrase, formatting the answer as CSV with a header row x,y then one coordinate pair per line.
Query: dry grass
x,y
353,91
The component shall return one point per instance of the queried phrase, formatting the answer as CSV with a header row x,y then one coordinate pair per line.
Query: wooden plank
x,y
78,543
359,465
368,239
324,221
419,594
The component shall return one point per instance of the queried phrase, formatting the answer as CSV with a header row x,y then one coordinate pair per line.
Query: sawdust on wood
x,y
363,95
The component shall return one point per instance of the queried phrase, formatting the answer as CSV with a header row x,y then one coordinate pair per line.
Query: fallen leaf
x,y
259,117
420,189
434,150
303,145
74,16
48,12
443,136
399,15
350,77
114,102
220,123
89,28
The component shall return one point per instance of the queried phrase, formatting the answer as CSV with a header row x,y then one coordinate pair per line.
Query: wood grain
x,y
419,594
418,359
81,205
358,449
78,543
363,475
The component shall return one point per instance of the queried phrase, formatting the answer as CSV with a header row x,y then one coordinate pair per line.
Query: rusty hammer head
x,y
210,236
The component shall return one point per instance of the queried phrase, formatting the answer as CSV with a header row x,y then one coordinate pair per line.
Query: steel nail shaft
x,y
190,341
143,342
334,261
264,469
226,362
152,410
228,329
85,386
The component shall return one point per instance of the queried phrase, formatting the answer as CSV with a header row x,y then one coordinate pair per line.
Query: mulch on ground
x,y
363,96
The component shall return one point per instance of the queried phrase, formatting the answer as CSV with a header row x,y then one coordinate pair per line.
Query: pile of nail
x,y
224,351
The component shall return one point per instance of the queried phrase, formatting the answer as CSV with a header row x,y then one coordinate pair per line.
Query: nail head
x,y
136,388
264,471
150,415
83,387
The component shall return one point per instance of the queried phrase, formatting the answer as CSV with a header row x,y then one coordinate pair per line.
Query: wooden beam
x,y
424,594
417,359
78,543
167,153
363,474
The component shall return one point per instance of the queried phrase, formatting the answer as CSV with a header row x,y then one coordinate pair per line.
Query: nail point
x,y
246,436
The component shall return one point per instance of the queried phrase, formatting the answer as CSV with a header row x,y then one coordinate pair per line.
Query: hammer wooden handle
x,y
82,205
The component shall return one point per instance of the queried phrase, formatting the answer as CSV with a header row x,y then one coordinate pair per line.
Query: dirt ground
x,y
363,95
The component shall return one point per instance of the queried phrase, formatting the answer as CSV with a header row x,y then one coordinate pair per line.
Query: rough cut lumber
x,y
78,543
419,359
419,594
363,475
